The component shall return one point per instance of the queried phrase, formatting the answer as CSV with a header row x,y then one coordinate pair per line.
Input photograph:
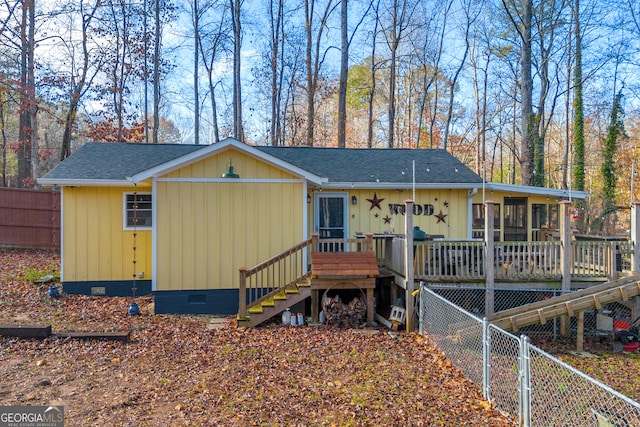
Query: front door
x,y
330,216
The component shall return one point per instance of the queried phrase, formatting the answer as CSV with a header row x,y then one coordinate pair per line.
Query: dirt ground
x,y
179,371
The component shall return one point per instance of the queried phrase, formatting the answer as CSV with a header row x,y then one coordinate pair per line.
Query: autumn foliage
x,y
177,371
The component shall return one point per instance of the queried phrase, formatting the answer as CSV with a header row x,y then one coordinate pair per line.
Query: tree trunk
x,y
311,90
156,75
196,84
27,93
372,93
454,81
238,131
344,68
526,91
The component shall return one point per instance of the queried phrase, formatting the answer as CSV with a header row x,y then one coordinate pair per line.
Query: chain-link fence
x,y
599,325
525,383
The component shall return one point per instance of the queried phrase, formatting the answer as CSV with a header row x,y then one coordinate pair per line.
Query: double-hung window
x,y
137,211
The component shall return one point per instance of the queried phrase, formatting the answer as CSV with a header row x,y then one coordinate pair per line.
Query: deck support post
x,y
580,333
489,257
565,256
242,294
408,264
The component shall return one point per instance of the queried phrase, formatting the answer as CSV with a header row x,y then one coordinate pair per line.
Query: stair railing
x,y
278,272
261,281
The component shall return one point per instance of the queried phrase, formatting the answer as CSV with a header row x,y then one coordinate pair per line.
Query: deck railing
x,y
592,258
463,260
445,261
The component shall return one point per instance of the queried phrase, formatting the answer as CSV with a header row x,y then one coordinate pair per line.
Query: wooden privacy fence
x,y
29,218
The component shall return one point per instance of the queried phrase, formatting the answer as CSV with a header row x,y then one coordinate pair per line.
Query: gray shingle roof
x,y
117,161
378,164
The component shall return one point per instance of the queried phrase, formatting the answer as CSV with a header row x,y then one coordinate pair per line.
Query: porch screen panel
x,y
515,220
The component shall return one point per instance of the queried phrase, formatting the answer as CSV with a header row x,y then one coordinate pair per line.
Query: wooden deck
x,y
343,270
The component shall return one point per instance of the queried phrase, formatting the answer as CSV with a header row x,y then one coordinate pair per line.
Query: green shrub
x,y
35,275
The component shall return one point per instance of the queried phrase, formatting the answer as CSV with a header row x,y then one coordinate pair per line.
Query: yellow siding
x,y
243,165
95,245
452,203
206,231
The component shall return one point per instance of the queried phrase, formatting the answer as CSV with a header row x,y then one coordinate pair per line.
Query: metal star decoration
x,y
441,217
387,219
375,202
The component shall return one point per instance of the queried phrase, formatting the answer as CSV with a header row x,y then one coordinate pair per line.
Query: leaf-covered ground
x,y
177,371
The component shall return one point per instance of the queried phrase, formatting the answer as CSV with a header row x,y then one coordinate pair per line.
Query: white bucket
x,y
286,317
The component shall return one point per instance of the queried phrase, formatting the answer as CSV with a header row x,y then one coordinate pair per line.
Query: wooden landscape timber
x,y
44,331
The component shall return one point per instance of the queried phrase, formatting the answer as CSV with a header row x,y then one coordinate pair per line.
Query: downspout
x,y
471,194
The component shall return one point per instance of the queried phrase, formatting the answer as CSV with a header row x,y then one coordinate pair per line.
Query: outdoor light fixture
x,y
229,173
354,200
308,198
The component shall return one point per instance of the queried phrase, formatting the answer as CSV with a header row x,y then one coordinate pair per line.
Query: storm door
x,y
515,219
330,218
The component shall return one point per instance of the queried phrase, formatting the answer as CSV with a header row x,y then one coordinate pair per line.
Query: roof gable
x,y
226,144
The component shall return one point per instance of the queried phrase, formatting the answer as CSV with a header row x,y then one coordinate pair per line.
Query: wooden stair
x,y
567,305
276,302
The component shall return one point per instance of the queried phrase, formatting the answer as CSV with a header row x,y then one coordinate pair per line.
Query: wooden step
x,y
281,296
263,314
257,309
268,303
304,282
291,290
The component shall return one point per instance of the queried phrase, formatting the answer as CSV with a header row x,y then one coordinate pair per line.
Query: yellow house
x,y
179,221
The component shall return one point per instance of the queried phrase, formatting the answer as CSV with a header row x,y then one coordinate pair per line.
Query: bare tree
x,y
157,40
521,16
345,42
80,79
400,17
28,105
196,65
314,60
213,42
470,17
238,130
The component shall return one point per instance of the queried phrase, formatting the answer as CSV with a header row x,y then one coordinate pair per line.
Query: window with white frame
x,y
137,211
